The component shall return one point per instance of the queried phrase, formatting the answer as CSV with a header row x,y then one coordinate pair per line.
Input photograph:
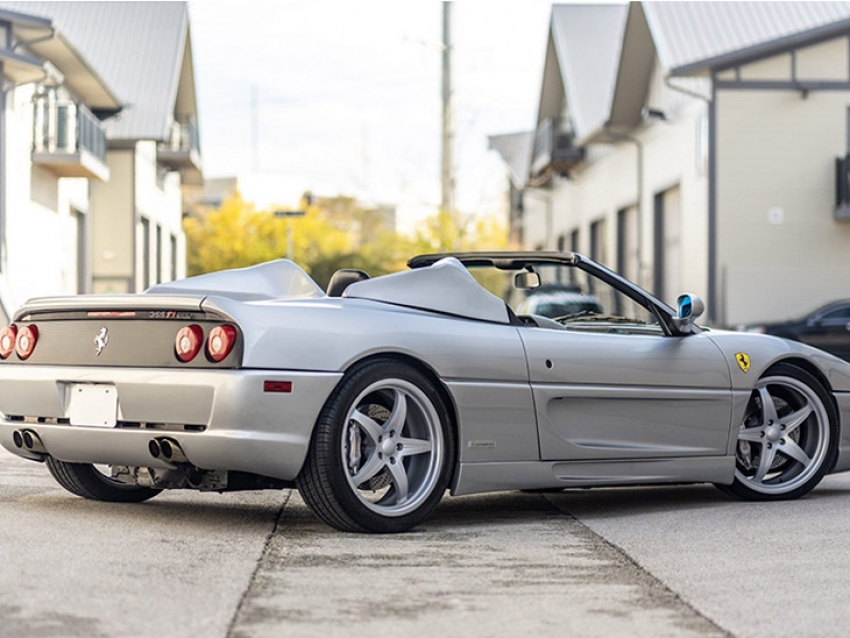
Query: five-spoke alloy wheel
x,y
382,451
788,439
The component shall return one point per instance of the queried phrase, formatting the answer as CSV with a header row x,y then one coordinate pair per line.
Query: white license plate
x,y
93,404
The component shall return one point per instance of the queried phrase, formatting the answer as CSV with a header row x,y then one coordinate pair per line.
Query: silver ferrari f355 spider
x,y
376,397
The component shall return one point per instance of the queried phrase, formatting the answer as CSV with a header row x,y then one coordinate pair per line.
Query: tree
x,y
334,233
237,235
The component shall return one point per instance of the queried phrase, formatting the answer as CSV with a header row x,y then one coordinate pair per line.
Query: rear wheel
x,y
381,452
788,439
87,481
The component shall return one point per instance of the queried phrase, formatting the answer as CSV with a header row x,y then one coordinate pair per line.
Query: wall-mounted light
x,y
654,114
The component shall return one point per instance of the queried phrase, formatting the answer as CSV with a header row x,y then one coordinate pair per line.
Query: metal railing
x,y
67,127
554,143
184,136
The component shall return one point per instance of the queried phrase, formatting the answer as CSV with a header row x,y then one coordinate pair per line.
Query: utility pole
x,y
447,199
289,214
255,128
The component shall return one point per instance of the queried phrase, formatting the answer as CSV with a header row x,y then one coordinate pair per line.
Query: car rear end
x,y
150,383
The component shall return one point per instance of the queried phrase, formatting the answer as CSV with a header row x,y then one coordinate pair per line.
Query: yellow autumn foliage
x,y
334,233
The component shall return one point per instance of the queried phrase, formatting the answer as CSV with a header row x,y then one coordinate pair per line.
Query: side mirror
x,y
688,308
526,280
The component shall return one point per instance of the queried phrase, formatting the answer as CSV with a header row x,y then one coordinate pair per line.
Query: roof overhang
x,y
41,38
22,69
637,59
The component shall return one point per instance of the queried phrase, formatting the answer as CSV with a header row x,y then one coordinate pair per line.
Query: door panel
x,y
608,396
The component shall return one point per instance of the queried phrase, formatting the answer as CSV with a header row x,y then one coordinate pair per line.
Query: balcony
x,y
553,150
68,140
182,151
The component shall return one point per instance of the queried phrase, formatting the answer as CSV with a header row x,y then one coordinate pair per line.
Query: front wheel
x,y
381,453
788,439
87,481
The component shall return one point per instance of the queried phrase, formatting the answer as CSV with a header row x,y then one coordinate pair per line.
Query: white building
x,y
96,147
52,149
694,146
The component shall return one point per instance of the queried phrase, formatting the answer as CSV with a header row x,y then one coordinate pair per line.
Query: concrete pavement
x,y
666,561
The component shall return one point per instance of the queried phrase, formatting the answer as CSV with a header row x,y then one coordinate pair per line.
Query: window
x,y
173,257
627,242
599,241
81,232
158,254
574,245
838,315
146,253
667,276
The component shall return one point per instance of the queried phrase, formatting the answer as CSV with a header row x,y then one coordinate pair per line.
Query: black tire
x,y
381,453
85,480
788,439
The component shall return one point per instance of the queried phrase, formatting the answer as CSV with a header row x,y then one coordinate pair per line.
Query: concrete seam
x,y
232,625
640,568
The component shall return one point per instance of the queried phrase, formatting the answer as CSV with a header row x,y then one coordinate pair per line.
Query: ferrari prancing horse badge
x,y
743,360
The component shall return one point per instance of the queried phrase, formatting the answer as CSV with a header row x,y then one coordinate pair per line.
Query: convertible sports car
x,y
376,397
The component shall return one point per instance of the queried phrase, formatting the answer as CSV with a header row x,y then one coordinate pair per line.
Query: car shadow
x,y
626,501
203,511
460,514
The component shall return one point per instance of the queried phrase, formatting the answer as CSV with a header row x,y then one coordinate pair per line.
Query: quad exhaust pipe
x,y
163,448
28,440
167,450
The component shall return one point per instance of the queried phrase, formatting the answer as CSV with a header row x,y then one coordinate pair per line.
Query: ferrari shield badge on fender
x,y
743,360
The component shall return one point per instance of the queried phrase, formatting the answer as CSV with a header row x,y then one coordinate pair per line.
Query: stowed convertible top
x,y
279,279
444,286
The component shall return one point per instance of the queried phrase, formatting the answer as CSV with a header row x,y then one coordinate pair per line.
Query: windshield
x,y
568,295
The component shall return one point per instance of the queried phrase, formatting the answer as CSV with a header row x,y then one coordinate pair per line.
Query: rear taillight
x,y
25,341
7,341
220,342
188,343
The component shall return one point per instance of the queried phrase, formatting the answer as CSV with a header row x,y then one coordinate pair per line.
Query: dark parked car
x,y
827,328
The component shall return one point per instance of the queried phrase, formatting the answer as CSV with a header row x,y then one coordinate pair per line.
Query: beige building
x,y
699,147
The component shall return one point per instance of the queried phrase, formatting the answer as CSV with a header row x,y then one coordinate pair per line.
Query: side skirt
x,y
472,478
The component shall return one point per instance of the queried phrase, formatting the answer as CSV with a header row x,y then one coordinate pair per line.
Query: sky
x,y
348,96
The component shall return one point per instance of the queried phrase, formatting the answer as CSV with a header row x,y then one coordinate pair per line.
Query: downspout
x,y
639,147
712,190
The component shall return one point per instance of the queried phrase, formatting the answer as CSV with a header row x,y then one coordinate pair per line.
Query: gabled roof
x,y
140,48
43,39
515,150
584,43
692,38
700,35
